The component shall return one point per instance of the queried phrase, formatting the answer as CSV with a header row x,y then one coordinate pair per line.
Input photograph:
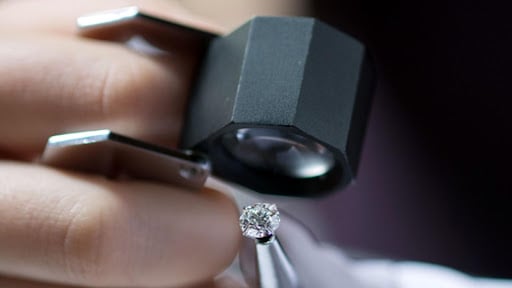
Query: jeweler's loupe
x,y
279,106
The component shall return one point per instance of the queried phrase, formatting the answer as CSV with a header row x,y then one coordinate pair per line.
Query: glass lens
x,y
279,151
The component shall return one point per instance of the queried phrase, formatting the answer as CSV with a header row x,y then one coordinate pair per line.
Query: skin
x,y
66,229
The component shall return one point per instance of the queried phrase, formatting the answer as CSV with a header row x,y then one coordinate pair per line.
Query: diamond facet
x,y
259,220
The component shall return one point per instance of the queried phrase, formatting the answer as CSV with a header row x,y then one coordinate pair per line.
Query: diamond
x,y
259,220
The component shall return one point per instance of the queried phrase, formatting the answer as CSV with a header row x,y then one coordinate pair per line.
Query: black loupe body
x,y
280,106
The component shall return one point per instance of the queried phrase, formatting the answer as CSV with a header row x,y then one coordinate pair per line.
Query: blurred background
x,y
434,183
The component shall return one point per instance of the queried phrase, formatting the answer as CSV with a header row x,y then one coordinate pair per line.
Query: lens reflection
x,y
279,152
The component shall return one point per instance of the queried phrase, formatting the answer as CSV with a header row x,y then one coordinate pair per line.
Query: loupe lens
x,y
278,151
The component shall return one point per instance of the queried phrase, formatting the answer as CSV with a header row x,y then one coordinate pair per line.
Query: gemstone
x,y
259,220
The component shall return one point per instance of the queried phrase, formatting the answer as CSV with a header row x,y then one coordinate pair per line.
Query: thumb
x,y
86,230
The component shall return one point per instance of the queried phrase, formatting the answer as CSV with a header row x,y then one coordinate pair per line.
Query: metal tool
x,y
114,155
279,105
260,222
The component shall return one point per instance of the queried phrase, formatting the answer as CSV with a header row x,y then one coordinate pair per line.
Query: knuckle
x,y
106,87
120,89
83,243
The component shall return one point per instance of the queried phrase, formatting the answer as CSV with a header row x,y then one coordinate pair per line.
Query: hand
x,y
84,230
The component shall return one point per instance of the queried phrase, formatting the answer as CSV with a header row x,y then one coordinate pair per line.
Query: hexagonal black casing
x,y
287,73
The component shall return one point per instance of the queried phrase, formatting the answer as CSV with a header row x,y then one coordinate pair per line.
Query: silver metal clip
x,y
113,155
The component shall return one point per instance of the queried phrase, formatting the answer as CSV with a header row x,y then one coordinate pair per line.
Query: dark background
x,y
435,182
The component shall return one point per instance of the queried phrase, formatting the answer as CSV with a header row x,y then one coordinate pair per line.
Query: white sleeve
x,y
373,273
326,266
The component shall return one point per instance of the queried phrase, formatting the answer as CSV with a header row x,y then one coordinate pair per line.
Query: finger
x,y
59,16
6,282
53,84
22,283
87,230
